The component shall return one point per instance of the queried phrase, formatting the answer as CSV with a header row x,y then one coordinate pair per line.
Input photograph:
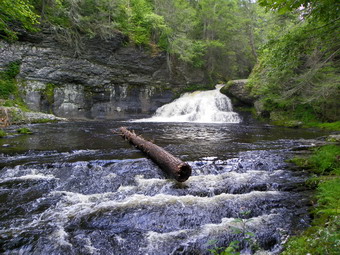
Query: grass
x,y
282,119
323,237
320,239
333,126
16,102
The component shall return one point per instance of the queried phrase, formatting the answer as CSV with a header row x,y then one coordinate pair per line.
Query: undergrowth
x,y
7,80
9,92
323,237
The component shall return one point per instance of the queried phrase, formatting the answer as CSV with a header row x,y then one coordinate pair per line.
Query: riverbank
x,y
243,99
323,236
17,116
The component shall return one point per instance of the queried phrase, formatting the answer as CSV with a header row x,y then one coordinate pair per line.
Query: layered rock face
x,y
105,80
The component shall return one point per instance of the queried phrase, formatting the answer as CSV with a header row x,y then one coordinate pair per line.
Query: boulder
x,y
237,91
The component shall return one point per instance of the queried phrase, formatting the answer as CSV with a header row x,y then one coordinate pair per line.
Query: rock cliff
x,y
106,80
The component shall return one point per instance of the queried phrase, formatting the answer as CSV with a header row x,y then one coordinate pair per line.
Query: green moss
x,y
16,102
2,133
24,130
302,117
12,69
43,121
8,84
9,87
334,126
48,92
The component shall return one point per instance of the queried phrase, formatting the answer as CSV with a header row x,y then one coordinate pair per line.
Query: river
x,y
78,188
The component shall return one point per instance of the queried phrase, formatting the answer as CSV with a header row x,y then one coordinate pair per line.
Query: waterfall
x,y
200,106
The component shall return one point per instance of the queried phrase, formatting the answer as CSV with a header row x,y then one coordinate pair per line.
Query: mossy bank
x,y
323,237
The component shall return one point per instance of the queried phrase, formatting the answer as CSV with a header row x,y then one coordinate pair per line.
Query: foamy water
x,y
101,196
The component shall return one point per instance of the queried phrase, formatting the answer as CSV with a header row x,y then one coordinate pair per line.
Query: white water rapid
x,y
200,106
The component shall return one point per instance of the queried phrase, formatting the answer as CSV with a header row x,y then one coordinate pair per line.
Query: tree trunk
x,y
171,165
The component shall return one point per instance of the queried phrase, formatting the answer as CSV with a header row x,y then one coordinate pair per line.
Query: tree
x,y
16,13
325,10
297,75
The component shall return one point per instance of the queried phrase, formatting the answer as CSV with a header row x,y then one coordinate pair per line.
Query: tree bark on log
x,y
170,164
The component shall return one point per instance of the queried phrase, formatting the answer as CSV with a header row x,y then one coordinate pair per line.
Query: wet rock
x,y
33,117
260,109
238,93
17,116
333,138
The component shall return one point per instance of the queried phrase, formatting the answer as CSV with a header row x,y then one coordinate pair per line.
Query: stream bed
x,y
78,188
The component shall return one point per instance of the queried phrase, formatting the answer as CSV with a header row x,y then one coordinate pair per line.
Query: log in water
x,y
172,165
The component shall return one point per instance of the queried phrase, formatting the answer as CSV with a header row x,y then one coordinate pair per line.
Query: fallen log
x,y
170,164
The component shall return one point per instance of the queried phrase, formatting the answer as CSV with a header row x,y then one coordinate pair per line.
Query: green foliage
x,y
12,12
7,80
16,102
230,250
326,159
335,126
220,36
297,73
25,131
104,18
9,87
12,70
2,133
246,238
323,161
322,10
328,196
48,92
323,236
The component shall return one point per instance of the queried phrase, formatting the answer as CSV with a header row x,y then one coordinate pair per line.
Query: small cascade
x,y
200,106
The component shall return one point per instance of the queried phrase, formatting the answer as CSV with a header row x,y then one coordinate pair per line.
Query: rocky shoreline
x,y
16,116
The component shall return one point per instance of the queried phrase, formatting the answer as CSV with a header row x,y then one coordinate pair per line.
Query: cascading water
x,y
92,193
200,106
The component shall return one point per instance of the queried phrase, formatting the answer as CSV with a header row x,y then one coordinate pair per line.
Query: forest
x,y
290,49
289,52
